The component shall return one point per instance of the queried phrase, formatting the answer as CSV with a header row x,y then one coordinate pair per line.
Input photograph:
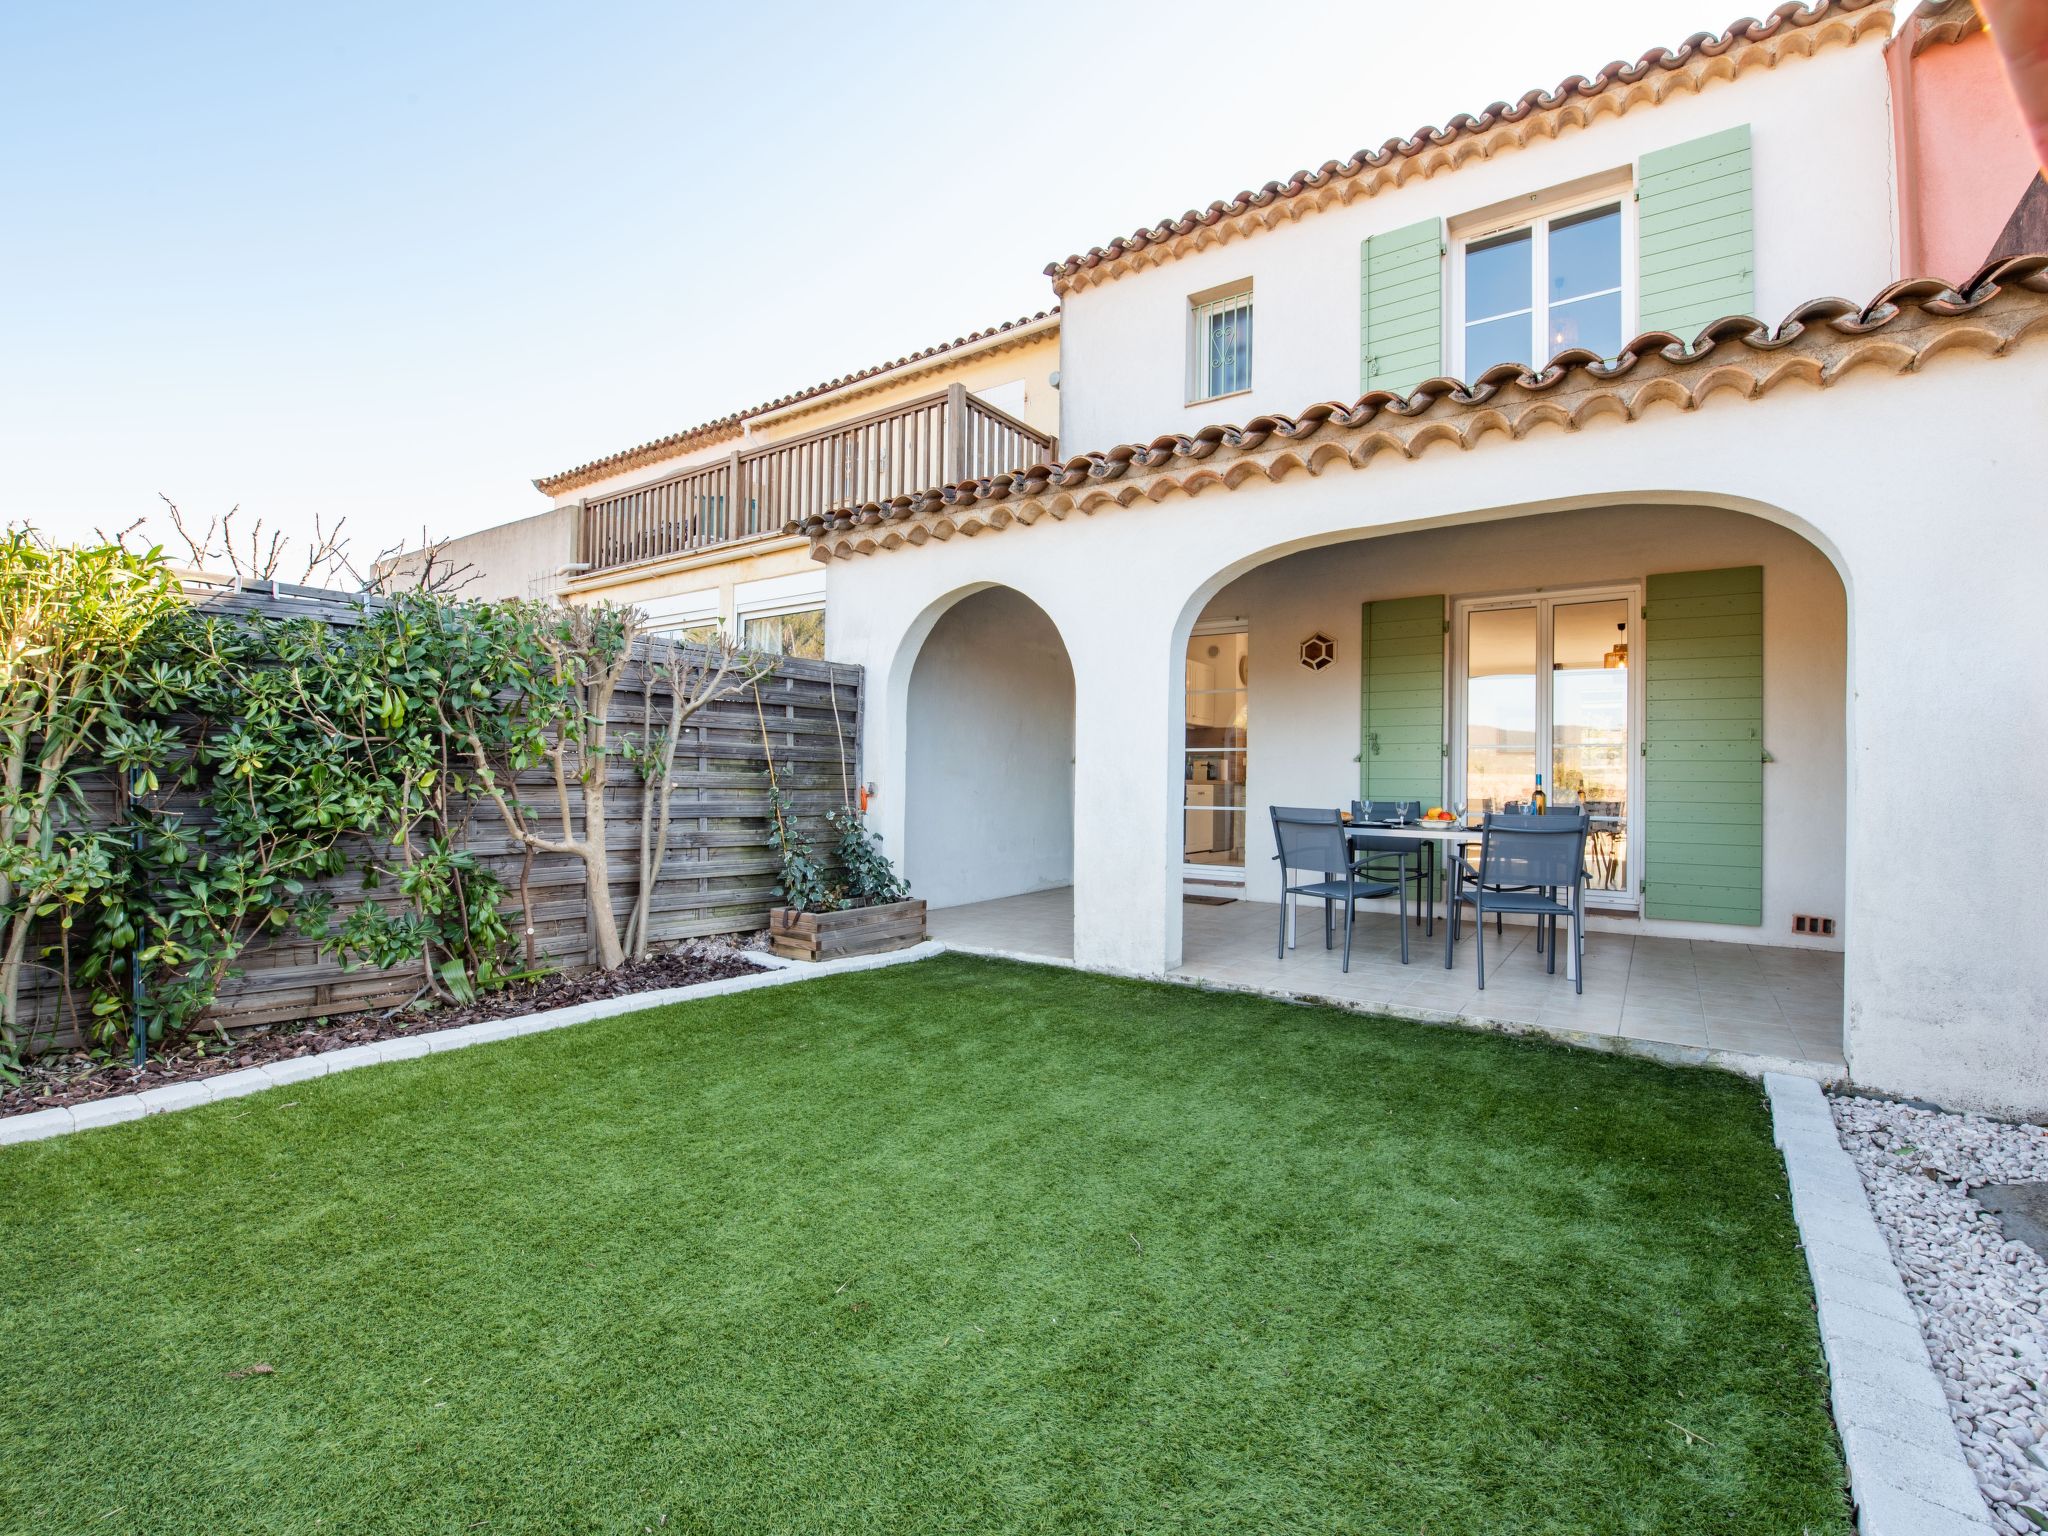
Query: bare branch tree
x,y
326,554
425,569
580,656
256,555
199,548
119,539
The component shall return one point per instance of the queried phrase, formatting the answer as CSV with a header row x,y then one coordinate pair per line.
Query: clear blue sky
x,y
392,261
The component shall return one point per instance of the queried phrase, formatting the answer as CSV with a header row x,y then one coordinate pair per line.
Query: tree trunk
x,y
604,923
10,985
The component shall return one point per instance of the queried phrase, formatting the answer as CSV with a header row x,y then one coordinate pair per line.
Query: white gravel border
x,y
1979,1295
1906,1469
112,1110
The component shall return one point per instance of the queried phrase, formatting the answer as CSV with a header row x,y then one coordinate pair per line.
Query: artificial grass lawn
x,y
956,1246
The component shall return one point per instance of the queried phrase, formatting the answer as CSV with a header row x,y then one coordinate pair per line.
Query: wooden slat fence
x,y
718,873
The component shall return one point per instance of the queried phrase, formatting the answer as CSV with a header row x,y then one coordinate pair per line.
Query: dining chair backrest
x,y
1532,850
1308,837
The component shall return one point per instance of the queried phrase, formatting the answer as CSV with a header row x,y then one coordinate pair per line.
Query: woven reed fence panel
x,y
717,874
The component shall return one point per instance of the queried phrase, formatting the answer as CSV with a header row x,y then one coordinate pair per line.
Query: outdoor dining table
x,y
1451,837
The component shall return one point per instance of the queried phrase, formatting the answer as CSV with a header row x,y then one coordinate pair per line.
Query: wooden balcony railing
x,y
939,439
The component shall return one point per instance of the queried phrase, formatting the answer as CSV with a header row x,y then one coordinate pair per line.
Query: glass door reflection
x,y
1500,707
1589,718
1577,730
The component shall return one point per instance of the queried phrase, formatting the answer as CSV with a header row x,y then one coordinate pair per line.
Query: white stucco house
x,y
1678,433
1752,568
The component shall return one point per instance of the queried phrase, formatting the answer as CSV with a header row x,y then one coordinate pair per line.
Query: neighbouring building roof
x,y
1817,343
1790,29
706,433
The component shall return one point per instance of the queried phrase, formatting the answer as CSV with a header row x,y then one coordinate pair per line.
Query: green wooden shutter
x,y
1704,781
1694,236
1401,670
1401,281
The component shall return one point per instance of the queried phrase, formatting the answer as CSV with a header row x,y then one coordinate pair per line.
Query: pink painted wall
x,y
1964,156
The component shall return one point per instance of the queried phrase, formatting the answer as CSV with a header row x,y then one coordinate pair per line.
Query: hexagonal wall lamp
x,y
1318,651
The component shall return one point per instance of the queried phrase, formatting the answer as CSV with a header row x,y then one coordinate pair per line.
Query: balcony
x,y
938,439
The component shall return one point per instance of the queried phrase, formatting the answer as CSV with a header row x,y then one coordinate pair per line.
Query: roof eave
x,y
1817,343
1789,31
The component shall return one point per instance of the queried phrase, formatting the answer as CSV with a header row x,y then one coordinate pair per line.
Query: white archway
x,y
988,774
1305,726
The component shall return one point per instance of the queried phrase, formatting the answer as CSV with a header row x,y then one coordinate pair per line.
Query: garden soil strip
x,y
76,1078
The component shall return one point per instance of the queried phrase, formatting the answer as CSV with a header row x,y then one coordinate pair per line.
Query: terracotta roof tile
x,y
1817,342
677,443
1942,21
1369,169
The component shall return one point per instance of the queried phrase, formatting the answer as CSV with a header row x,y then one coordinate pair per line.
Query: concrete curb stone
x,y
1906,1469
115,1109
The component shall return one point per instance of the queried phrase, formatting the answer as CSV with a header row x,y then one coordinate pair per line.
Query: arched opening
x,y
1684,667
989,776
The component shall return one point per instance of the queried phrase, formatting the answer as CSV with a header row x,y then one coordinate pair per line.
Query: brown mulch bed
x,y
75,1078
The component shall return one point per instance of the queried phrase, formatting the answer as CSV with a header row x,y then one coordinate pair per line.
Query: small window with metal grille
x,y
1219,343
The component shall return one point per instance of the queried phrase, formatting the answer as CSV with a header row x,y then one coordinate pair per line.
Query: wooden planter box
x,y
856,931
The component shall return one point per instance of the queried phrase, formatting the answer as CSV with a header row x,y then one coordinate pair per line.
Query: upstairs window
x,y
1529,293
1219,344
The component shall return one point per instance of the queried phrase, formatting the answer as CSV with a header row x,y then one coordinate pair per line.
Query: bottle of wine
x,y
1541,803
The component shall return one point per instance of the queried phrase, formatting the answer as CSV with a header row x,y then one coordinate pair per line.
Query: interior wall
x,y
1304,726
989,802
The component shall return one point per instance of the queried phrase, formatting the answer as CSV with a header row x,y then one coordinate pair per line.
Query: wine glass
x,y
1458,809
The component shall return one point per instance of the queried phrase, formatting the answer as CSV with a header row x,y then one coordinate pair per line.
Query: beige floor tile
x,y
1662,1031
1682,991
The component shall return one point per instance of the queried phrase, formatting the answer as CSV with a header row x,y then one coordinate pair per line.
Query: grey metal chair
x,y
1311,840
1575,810
1524,861
1423,876
1519,808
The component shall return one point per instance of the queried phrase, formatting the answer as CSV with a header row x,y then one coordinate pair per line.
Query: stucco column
x,y
1945,990
1128,709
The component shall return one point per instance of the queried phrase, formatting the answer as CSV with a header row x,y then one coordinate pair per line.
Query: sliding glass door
x,y
1212,794
1545,686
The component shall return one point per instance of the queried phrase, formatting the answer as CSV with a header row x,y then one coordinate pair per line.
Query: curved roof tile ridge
x,y
1791,16
727,426
1845,318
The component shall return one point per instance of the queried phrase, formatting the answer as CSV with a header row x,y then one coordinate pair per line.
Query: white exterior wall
x,y
1821,168
1304,726
990,768
1935,528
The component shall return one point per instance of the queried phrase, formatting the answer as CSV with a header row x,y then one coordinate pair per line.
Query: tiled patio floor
x,y
1782,1004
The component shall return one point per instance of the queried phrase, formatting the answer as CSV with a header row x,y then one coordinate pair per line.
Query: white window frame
x,y
773,596
677,612
1215,879
1537,214
1200,307
1543,599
